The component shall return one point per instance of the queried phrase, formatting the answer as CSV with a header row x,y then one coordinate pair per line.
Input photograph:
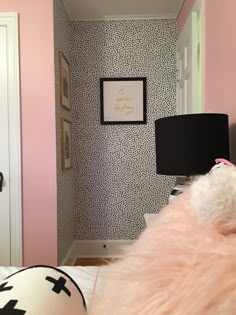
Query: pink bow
x,y
225,162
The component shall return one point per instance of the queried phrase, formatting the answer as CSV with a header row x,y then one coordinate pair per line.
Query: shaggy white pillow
x,y
213,196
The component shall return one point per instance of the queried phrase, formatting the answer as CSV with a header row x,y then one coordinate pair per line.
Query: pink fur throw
x,y
185,262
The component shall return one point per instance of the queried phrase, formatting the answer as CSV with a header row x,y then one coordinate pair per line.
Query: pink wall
x,y
220,95
220,56
38,129
220,61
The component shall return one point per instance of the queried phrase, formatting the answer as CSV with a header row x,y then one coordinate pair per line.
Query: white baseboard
x,y
68,259
94,248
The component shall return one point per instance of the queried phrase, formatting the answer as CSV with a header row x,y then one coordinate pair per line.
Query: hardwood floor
x,y
93,261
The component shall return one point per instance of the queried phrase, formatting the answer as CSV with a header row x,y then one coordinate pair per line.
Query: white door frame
x,y
10,21
198,9
187,67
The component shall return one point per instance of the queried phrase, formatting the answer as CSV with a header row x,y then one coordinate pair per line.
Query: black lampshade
x,y
189,144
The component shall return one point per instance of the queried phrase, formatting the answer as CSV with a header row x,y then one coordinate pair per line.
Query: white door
x,y
187,67
10,154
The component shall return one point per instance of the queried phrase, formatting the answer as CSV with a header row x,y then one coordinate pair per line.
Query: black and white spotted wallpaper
x,y
115,180
65,198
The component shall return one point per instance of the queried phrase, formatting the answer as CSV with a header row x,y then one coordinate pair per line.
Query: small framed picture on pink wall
x,y
66,144
65,81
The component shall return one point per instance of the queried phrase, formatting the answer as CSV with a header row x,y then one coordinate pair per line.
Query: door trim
x,y
187,43
199,8
10,21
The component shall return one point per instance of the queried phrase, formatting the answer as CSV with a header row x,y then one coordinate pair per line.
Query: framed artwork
x,y
123,100
66,144
65,81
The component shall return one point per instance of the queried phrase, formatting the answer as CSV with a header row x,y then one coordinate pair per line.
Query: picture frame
x,y
65,81
123,100
66,144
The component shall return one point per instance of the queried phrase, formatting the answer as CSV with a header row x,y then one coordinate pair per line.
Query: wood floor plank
x,y
93,261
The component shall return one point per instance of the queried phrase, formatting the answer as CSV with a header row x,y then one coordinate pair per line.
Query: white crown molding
x,y
125,18
179,9
67,10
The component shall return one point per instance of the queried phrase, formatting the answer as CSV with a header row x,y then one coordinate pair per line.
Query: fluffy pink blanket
x,y
185,263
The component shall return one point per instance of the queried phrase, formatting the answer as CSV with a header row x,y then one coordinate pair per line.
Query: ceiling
x,y
121,9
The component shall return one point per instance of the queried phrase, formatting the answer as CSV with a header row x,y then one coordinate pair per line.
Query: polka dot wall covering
x,y
115,180
65,204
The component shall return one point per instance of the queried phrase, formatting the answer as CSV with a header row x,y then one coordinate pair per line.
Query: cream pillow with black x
x,y
41,290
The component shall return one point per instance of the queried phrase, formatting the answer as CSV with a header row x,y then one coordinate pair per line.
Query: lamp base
x,y
182,183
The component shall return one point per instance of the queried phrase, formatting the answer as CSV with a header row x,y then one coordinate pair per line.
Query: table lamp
x,y
188,145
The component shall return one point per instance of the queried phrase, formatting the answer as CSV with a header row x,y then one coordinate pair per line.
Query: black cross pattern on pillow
x,y
4,288
59,285
9,309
